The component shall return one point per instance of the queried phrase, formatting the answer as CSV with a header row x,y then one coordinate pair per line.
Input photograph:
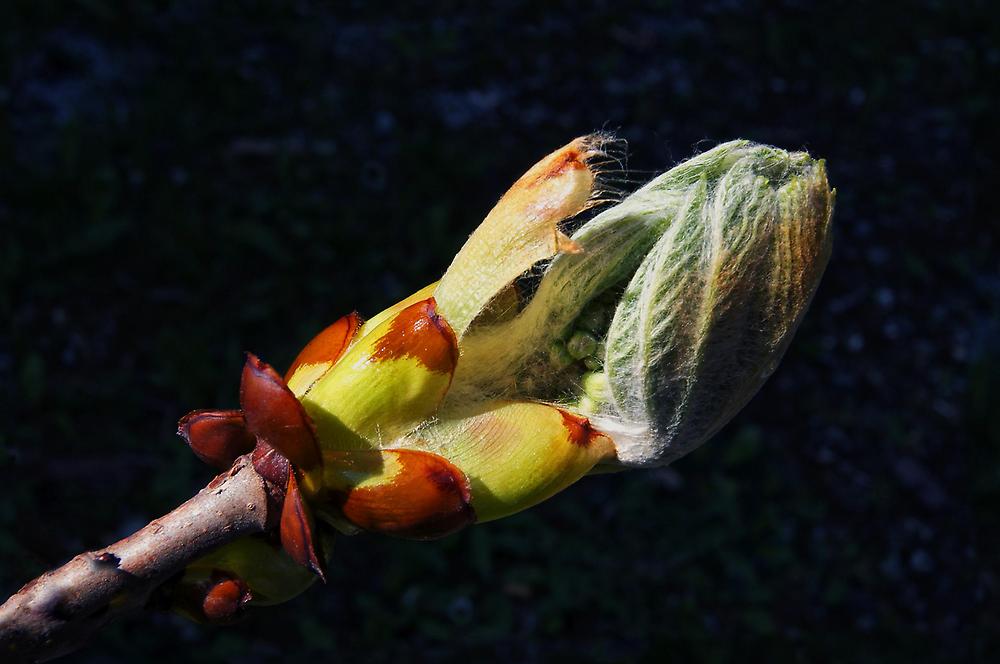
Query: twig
x,y
57,612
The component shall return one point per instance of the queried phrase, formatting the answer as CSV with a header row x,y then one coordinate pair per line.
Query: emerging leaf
x,y
712,308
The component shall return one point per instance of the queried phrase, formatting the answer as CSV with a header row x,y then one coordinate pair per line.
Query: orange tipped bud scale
x,y
405,493
516,454
390,381
375,321
322,353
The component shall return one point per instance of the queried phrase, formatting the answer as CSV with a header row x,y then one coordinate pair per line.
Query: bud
x,y
539,356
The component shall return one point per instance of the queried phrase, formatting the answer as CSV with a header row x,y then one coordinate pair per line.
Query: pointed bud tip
x,y
273,414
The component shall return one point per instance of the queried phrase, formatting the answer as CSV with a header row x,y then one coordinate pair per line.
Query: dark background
x,y
181,182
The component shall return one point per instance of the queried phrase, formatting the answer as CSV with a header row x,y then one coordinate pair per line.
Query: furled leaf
x,y
710,311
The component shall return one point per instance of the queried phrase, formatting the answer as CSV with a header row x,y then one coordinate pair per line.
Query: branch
x,y
57,612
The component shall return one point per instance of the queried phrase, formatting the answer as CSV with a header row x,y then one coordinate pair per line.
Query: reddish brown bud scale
x,y
419,332
275,416
327,346
426,498
216,437
297,530
224,600
272,466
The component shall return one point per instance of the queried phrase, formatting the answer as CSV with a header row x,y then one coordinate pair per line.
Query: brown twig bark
x,y
57,612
